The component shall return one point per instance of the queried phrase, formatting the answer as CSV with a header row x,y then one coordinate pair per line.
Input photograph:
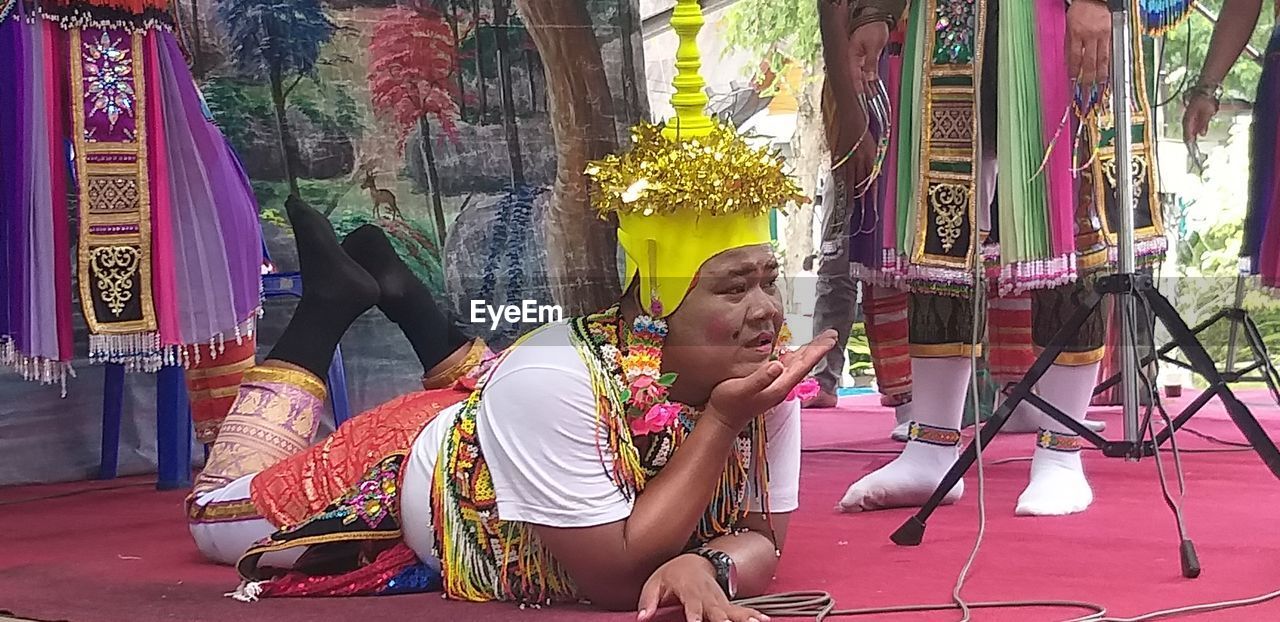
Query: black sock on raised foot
x,y
404,299
335,291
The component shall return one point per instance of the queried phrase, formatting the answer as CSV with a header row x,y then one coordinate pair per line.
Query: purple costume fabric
x,y
866,222
11,124
1264,149
215,218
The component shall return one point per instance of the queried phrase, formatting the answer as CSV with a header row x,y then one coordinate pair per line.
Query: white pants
x,y
225,542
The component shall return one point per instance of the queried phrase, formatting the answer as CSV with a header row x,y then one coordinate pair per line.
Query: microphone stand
x,y
1131,288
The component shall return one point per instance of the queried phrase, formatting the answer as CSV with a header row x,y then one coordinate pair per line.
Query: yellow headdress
x,y
690,190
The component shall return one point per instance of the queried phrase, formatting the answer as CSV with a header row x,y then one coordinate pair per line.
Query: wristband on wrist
x,y
1204,88
726,571
863,12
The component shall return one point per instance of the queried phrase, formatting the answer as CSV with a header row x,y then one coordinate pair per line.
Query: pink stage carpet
x,y
123,553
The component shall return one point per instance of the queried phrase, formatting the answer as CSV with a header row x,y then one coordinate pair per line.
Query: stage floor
x,y
119,551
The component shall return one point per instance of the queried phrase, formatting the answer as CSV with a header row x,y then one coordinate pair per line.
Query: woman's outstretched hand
x,y
690,581
735,402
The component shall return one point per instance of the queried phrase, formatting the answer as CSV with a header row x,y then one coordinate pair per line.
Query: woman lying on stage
x,y
555,471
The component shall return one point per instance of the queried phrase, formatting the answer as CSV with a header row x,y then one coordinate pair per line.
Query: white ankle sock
x,y
911,478
902,422
1025,418
1058,485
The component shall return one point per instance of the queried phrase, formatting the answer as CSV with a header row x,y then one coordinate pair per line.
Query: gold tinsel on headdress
x,y
689,190
718,173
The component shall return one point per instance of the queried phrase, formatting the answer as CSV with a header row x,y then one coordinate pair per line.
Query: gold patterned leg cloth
x,y
942,326
274,416
1050,309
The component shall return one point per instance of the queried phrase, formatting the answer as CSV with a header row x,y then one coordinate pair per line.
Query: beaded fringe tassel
x,y
142,352
35,368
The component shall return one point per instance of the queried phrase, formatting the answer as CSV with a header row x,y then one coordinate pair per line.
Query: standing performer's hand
x,y
865,46
1195,120
1089,42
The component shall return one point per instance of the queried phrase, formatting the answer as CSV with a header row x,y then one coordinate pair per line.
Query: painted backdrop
x,y
461,127
467,118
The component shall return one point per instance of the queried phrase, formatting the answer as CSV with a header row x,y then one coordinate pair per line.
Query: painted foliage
x,y
436,120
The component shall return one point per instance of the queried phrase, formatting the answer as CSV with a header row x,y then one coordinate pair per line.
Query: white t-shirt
x,y
536,423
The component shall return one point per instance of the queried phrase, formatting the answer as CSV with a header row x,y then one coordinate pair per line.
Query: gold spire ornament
x,y
689,189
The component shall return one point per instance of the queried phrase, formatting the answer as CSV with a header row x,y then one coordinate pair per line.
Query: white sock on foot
x,y
912,477
1058,485
1024,420
902,419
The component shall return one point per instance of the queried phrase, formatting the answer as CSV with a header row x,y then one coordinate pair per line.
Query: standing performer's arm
x,y
1231,34
865,31
833,27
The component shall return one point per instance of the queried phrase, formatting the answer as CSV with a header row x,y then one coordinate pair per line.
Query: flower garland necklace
x,y
636,353
647,388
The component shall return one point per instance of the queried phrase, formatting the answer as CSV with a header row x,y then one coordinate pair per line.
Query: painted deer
x,y
380,197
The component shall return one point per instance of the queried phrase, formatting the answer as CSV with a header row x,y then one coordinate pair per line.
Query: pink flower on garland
x,y
806,390
658,418
646,392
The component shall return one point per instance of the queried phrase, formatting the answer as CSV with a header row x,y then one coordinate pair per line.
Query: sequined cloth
x,y
294,489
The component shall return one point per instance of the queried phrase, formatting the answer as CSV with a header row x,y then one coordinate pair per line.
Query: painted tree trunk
x,y
288,148
627,27
533,87
501,14
581,247
483,88
433,176
198,65
457,45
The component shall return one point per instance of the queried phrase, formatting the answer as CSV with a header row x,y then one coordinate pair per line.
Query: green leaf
x,y
667,379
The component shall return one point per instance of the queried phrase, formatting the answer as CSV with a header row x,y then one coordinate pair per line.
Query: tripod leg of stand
x,y
1191,409
911,533
1263,358
1205,366
1164,352
1234,329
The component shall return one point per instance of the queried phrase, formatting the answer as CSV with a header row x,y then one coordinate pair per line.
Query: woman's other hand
x,y
866,45
1089,42
689,580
